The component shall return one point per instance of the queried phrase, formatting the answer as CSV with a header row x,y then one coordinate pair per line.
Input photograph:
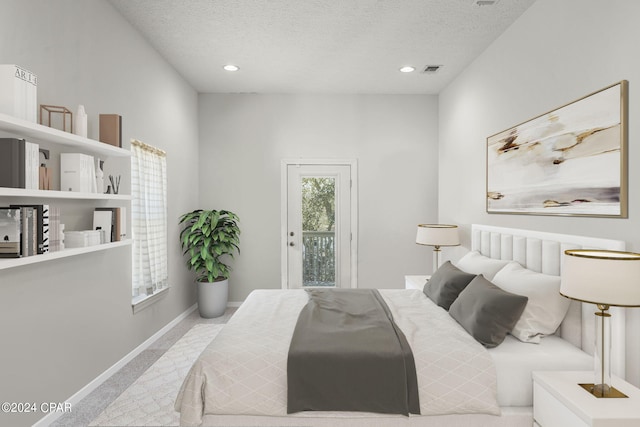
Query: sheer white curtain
x,y
149,219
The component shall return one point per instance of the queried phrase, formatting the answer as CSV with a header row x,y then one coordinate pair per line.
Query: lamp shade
x,y
437,235
601,277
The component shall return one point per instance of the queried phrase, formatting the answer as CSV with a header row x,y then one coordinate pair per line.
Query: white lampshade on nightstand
x,y
604,278
437,235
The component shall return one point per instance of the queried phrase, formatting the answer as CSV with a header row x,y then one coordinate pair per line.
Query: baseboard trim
x,y
86,390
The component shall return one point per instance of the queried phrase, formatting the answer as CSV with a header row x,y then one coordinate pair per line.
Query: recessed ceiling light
x,y
231,67
407,69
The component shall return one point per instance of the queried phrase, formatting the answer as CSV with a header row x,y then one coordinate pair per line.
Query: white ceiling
x,y
319,46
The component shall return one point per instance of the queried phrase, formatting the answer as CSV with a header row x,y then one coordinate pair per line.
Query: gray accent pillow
x,y
487,312
446,284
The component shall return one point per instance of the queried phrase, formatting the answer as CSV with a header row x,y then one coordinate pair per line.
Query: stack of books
x,y
19,164
24,230
77,173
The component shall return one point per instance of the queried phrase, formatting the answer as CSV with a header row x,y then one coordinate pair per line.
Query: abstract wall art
x,y
569,161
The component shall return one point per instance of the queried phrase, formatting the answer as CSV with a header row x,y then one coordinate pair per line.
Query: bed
x,y
240,378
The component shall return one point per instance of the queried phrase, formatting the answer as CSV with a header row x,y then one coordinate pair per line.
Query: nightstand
x,y
415,282
558,401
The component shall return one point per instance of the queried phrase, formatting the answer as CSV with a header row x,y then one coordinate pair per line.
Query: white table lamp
x,y
437,235
604,278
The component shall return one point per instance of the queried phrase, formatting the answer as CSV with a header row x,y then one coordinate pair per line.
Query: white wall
x,y
556,52
65,322
394,139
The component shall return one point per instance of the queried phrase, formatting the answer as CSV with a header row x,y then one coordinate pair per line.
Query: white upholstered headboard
x,y
543,252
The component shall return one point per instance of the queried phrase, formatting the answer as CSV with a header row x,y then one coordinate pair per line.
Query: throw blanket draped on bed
x,y
347,354
244,369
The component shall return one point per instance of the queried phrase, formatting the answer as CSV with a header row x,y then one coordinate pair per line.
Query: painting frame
x,y
569,161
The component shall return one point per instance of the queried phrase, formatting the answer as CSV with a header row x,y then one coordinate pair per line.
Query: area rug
x,y
149,400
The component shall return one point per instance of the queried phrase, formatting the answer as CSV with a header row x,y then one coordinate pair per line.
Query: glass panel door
x,y
318,226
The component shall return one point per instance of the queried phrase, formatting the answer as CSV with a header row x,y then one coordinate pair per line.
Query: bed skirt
x,y
511,417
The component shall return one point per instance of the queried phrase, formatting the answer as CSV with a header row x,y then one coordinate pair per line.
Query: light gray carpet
x,y
85,411
149,400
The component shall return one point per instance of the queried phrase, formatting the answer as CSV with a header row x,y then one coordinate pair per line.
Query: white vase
x,y
80,122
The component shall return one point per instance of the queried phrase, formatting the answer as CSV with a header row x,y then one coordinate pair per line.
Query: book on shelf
x,y
111,129
10,230
77,173
56,238
118,223
29,232
18,92
42,226
19,164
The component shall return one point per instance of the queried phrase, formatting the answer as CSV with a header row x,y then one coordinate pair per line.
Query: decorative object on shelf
x,y
437,235
207,238
44,183
81,239
100,176
604,278
115,183
19,160
80,127
56,109
569,161
18,92
118,218
111,129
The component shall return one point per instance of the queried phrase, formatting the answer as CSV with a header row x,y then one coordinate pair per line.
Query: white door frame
x,y
353,163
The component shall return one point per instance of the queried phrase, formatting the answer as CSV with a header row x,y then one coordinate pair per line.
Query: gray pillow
x,y
446,284
487,312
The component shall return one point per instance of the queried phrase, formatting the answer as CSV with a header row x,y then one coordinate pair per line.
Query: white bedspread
x,y
243,371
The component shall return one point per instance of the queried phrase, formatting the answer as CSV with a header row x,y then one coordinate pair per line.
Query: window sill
x,y
141,302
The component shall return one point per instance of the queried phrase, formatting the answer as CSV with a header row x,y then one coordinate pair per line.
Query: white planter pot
x,y
212,298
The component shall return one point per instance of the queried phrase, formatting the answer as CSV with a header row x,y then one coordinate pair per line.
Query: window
x,y
149,220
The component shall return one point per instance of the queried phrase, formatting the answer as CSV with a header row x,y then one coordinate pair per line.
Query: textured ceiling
x,y
319,46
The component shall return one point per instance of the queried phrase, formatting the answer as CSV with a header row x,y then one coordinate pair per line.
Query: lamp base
x,y
597,391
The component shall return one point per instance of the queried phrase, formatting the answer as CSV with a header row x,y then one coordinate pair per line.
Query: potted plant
x,y
208,238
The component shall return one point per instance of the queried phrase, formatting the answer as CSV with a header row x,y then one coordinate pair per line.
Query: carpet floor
x,y
149,400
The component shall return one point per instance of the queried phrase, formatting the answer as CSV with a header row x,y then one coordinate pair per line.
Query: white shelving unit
x,y
6,263
54,194
38,133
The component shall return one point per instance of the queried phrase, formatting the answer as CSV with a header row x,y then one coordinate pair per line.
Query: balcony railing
x,y
319,258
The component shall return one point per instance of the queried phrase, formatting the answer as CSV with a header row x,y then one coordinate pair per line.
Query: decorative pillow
x,y
487,312
546,307
446,283
476,263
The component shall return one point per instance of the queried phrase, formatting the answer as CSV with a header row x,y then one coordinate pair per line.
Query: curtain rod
x,y
148,147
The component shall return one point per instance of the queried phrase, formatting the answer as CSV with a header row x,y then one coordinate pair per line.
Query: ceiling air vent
x,y
485,2
431,69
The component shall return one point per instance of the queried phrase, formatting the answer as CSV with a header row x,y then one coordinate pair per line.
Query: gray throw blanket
x,y
347,354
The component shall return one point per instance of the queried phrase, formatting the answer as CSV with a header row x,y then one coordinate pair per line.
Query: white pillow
x,y
476,263
545,309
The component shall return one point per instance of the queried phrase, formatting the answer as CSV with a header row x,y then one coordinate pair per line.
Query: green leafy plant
x,y
208,236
